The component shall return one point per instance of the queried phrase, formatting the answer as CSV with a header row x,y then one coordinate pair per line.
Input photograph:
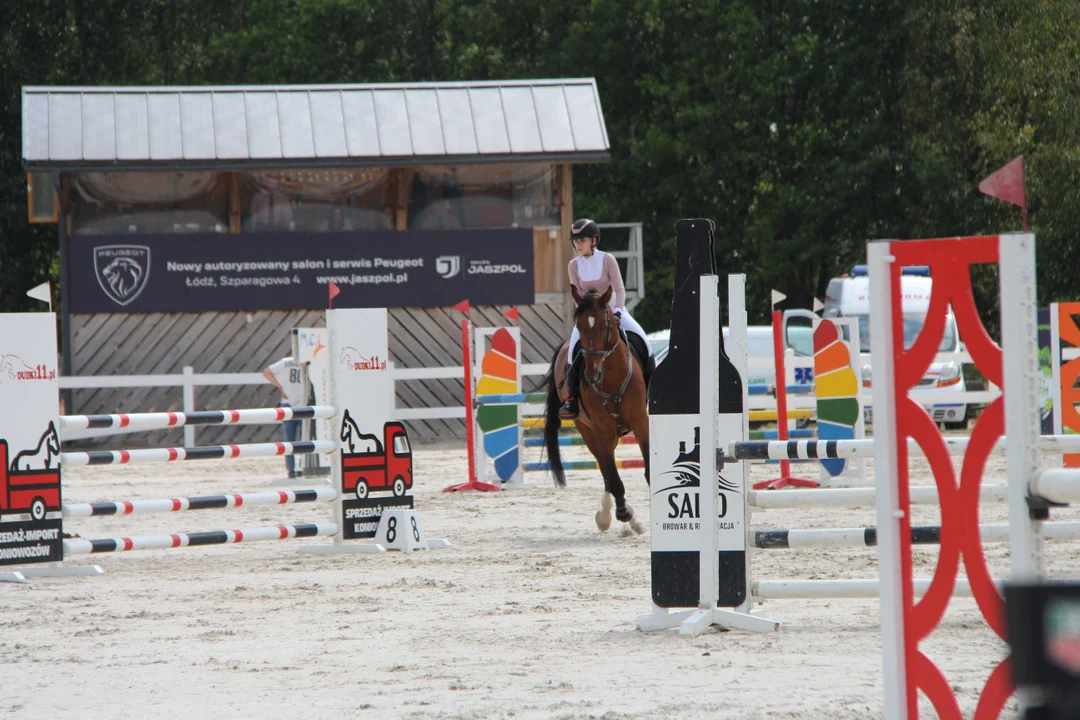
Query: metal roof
x,y
268,126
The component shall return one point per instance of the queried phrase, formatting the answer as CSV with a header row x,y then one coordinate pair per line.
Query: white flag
x,y
777,296
42,292
818,305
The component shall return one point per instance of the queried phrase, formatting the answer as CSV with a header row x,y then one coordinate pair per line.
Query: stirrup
x,y
569,409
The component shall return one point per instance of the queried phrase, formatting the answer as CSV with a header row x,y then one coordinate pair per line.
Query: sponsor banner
x,y
292,271
676,486
29,441
362,516
374,463
677,524
32,541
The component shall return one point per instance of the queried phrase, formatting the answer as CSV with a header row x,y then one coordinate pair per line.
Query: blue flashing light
x,y
922,270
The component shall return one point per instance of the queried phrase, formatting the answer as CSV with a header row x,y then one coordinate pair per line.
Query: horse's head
x,y
596,325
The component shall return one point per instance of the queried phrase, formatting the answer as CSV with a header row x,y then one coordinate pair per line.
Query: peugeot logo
x,y
122,271
448,265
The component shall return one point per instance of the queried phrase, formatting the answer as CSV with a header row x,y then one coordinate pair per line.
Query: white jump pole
x,y
890,567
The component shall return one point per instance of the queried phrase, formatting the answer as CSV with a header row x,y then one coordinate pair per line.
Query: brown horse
x,y
612,399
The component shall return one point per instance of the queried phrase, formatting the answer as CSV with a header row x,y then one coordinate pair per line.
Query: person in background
x,y
285,375
390,215
337,221
271,209
440,216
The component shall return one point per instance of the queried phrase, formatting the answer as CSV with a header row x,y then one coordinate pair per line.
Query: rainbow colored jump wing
x,y
836,389
499,423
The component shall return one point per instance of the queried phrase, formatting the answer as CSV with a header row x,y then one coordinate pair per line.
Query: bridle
x,y
605,353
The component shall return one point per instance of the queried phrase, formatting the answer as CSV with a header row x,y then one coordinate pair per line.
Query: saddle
x,y
636,344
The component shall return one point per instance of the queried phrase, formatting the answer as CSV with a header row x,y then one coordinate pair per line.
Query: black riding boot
x,y
647,369
569,409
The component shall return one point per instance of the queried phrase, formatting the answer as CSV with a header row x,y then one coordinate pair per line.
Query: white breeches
x,y
627,323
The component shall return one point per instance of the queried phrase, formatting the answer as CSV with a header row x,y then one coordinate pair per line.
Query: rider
x,y
594,269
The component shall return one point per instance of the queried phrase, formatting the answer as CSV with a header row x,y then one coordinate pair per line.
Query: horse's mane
x,y
586,303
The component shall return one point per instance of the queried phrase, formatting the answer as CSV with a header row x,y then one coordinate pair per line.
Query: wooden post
x,y
565,177
65,188
234,203
405,180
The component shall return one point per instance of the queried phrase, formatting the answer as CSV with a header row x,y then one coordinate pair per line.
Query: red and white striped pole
x,y
201,452
155,421
194,539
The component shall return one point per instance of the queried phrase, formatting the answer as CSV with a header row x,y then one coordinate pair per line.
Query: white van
x,y
759,344
849,296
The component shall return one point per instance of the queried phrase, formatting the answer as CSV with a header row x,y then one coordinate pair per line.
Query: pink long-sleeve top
x,y
598,272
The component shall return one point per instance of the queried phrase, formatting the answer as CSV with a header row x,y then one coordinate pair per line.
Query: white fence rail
x,y
189,380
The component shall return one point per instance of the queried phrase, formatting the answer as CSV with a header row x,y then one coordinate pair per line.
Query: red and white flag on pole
x,y
463,306
1007,184
334,292
512,314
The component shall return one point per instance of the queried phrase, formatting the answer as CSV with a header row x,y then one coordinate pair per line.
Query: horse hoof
x,y
636,526
625,513
603,520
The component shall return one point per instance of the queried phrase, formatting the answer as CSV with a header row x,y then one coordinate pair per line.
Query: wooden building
x,y
143,162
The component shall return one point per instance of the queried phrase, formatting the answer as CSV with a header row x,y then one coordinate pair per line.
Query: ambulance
x,y
849,296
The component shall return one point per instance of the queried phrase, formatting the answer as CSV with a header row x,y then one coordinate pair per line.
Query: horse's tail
x,y
552,423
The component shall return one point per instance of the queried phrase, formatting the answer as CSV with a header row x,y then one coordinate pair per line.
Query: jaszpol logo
x,y
448,265
122,271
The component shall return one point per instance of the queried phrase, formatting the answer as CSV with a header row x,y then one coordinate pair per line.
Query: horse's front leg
x,y
640,425
614,485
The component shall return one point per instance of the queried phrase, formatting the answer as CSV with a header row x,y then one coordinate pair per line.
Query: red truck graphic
x,y
36,491
375,465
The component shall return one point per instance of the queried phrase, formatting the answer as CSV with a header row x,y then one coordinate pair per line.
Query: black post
x,y
65,312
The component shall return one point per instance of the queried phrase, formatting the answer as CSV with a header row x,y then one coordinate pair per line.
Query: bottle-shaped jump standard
x,y
673,426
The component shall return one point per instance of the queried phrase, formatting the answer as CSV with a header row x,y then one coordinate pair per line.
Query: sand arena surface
x,y
529,615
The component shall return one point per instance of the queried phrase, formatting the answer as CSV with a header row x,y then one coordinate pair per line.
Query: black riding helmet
x,y
584,228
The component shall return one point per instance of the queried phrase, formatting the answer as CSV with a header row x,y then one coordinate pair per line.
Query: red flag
x,y
1007,184
334,292
463,306
511,314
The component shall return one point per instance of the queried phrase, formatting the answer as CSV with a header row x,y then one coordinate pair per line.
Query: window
x,y
42,203
401,445
317,200
913,325
483,196
116,203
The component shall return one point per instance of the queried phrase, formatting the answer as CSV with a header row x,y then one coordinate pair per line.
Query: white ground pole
x,y
888,499
707,614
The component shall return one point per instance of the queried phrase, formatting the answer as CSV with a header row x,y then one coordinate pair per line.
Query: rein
x,y
596,386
